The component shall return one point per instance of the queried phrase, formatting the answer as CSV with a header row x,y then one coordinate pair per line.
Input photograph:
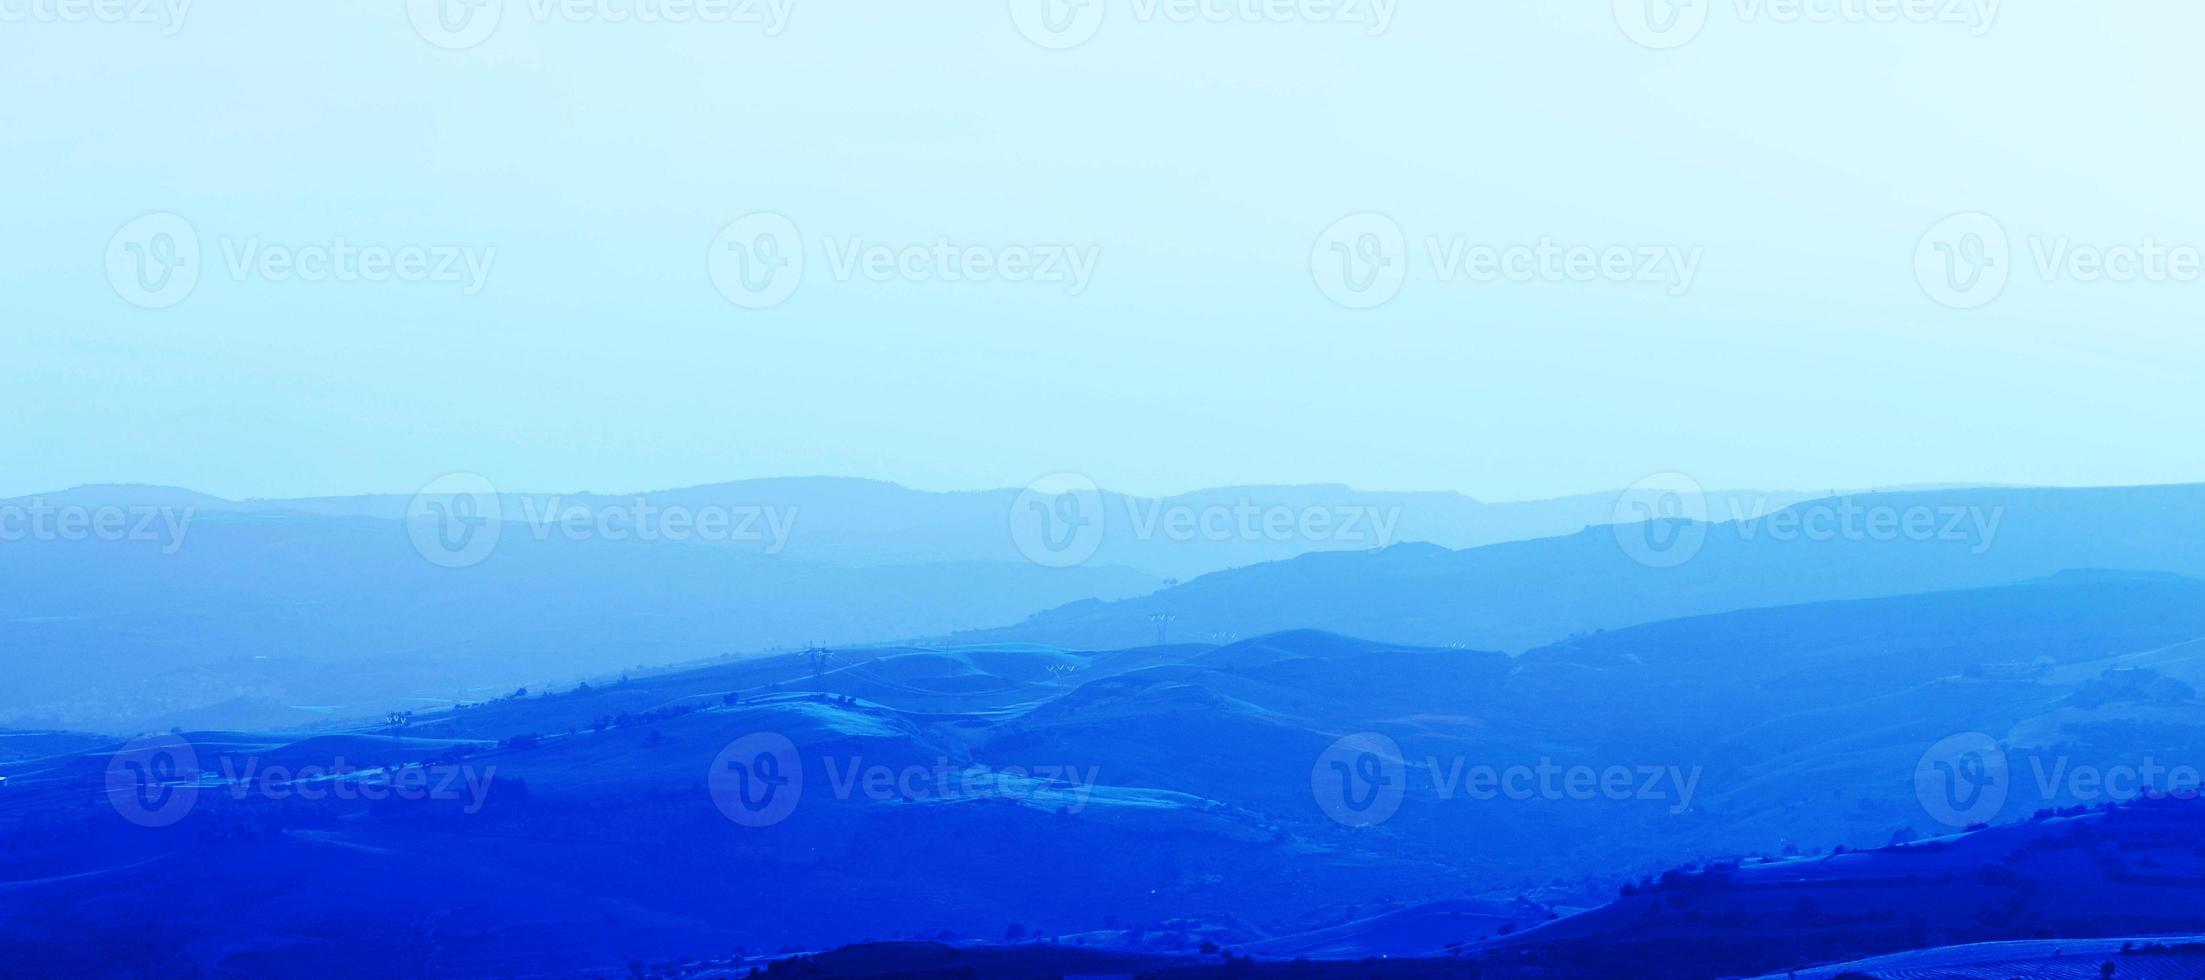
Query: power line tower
x,y
1163,621
819,658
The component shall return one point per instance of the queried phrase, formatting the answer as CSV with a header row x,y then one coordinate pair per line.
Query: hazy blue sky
x,y
587,167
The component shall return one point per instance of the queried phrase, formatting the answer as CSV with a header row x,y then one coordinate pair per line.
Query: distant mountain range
x,y
204,612
280,618
864,522
1519,595
279,613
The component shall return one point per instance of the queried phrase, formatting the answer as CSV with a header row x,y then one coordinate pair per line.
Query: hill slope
x,y
1145,800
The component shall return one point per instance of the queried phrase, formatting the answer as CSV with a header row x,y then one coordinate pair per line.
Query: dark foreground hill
x,y
2064,894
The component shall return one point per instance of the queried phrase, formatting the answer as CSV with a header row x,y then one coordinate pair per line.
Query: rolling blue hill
x,y
1139,802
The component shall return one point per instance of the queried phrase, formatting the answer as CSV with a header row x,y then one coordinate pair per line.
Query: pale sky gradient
x,y
1200,162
